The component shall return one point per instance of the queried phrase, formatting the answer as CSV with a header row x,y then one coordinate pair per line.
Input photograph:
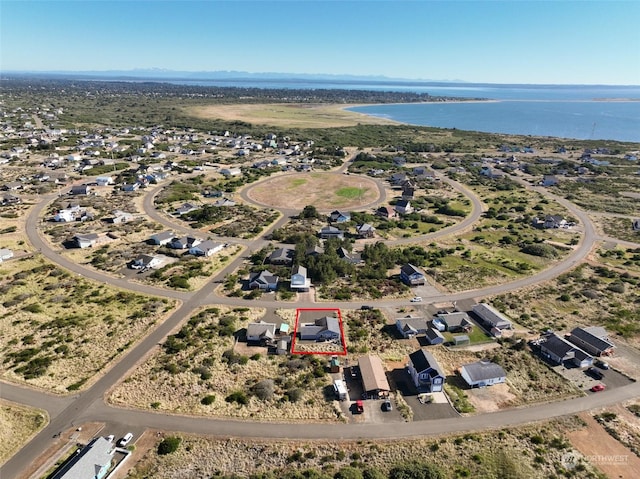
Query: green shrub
x,y
168,445
237,396
207,400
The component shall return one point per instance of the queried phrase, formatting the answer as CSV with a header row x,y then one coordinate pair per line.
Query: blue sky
x,y
564,42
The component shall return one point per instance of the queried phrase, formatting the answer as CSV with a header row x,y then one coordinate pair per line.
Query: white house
x,y
482,373
146,261
206,248
230,171
104,180
5,254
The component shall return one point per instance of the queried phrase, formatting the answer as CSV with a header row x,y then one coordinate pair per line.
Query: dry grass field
x,y
288,115
203,370
48,340
326,191
529,452
17,425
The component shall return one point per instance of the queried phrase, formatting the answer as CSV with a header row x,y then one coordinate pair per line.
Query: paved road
x,y
89,405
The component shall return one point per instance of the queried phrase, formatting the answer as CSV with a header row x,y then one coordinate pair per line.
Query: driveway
x,y
438,409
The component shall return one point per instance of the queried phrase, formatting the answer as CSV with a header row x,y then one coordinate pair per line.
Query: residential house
x,y
104,180
374,378
206,248
184,242
78,190
224,202
554,221
121,217
92,461
594,340
147,261
558,350
314,251
162,238
131,187
386,212
230,171
86,240
397,178
66,215
403,207
425,371
399,161
263,280
410,327
349,257
299,280
408,192
412,275
365,230
331,232
322,329
490,317
261,332
339,216
282,256
636,224
433,336
5,254
12,186
186,208
482,373
456,322
549,180
10,199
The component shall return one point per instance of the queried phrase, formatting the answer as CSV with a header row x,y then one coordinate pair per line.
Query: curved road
x,y
89,405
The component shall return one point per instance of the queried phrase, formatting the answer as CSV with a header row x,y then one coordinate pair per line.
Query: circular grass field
x,y
325,191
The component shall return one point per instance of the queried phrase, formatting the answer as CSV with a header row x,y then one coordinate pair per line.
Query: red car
x,y
598,387
359,407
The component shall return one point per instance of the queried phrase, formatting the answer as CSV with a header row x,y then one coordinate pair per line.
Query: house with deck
x,y
456,322
560,351
263,280
426,373
412,275
299,280
491,319
410,327
261,332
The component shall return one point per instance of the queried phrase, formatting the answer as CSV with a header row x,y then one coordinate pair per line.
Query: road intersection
x,y
90,405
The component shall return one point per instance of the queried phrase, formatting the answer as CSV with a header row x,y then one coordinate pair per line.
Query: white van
x,y
126,439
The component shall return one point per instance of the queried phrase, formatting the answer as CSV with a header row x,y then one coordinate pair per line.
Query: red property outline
x,y
330,353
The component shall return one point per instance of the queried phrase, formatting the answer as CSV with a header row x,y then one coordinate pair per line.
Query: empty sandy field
x,y
326,191
293,115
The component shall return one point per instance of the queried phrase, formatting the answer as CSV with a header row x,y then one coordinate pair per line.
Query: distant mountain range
x,y
164,74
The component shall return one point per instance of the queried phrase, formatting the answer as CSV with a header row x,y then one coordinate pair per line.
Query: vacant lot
x,y
17,424
203,370
48,341
529,452
326,191
288,115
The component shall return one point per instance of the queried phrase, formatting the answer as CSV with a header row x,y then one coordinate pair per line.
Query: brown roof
x,y
373,375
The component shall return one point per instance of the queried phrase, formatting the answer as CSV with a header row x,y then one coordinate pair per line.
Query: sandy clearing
x,y
605,453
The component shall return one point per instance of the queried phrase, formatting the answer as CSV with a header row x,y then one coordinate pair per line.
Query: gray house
x,y
322,329
331,232
261,332
559,351
453,322
412,275
482,373
593,340
299,280
410,327
163,238
425,371
433,336
490,317
263,280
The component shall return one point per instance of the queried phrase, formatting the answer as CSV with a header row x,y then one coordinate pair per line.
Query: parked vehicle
x,y
598,387
110,437
416,299
359,406
126,439
595,373
386,405
601,364
365,307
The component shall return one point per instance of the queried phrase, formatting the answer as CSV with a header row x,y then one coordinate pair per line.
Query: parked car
x,y
365,307
595,373
416,299
601,364
598,387
386,405
359,406
126,439
110,437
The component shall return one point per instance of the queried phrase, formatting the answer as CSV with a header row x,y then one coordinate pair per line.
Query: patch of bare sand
x,y
605,453
291,115
491,398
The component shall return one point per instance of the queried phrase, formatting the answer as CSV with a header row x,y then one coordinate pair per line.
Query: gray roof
x,y
483,370
89,460
592,339
410,269
557,345
412,324
433,334
490,315
261,329
326,323
457,319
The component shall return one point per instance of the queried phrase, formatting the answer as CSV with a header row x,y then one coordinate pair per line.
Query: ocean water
x,y
583,112
577,119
